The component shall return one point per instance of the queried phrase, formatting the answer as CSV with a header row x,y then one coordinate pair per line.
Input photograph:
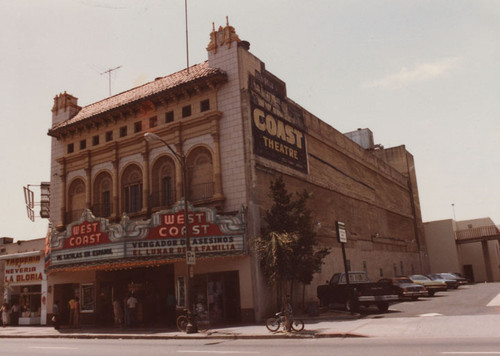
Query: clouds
x,y
423,72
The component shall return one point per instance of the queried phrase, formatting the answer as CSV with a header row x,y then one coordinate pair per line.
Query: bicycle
x,y
273,324
203,323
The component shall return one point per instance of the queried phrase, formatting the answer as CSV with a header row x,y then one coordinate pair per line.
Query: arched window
x,y
200,174
103,193
163,183
132,189
76,199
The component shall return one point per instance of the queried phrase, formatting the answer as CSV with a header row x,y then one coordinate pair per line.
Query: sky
x,y
424,74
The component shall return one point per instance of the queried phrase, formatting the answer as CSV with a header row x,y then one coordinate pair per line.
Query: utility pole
x,y
109,76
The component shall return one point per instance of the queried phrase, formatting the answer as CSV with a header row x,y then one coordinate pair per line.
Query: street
x,y
349,346
457,322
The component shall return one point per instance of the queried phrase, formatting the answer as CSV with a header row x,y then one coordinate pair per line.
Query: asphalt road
x,y
466,300
457,322
318,347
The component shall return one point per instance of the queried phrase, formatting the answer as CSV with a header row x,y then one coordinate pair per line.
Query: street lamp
x,y
191,327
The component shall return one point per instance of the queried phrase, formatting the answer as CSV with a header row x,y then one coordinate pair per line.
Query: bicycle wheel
x,y
182,322
273,324
297,325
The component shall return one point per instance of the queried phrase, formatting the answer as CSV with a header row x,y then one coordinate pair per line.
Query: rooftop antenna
x,y
109,76
187,41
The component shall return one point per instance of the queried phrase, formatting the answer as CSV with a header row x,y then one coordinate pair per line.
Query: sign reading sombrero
x,y
94,241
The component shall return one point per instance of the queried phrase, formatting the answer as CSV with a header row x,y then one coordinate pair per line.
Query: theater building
x,y
117,207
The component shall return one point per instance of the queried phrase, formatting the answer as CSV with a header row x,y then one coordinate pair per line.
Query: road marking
x,y
430,314
495,302
53,347
471,353
217,352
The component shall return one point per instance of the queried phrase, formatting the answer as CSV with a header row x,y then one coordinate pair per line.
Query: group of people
x,y
74,313
126,314
10,315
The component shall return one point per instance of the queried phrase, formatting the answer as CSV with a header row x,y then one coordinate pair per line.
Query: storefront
x,y
25,285
101,262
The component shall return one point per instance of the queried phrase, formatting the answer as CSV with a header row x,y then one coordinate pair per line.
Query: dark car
x,y
461,279
405,288
450,282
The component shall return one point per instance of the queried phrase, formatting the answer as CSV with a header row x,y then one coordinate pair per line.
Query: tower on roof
x,y
224,36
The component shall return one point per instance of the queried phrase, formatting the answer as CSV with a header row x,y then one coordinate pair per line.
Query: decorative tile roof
x,y
159,85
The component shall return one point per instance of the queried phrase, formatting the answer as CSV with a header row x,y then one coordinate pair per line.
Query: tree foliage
x,y
288,249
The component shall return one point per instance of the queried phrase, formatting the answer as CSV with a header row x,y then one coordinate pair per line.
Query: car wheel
x,y
431,293
383,307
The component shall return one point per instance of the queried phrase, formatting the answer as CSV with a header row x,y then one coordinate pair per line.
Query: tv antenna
x,y
109,76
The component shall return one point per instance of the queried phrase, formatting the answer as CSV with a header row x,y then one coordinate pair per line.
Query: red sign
x,y
86,234
173,226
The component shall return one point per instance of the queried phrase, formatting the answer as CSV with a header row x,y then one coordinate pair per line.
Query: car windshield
x,y
448,275
419,277
403,280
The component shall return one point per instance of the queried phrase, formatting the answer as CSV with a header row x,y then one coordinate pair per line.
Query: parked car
x,y
431,286
405,288
359,292
461,279
450,281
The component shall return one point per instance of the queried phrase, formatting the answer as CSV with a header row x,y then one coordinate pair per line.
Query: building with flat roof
x,y
226,129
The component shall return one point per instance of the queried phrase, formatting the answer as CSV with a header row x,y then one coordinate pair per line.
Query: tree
x,y
289,241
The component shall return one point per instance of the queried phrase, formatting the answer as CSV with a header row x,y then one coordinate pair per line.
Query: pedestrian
x,y
71,304
14,314
171,304
118,312
5,314
76,317
132,309
55,314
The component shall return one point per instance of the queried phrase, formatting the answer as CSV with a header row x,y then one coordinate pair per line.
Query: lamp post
x,y
151,137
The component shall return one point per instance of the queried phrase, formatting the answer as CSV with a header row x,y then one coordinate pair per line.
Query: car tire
x,y
383,307
431,293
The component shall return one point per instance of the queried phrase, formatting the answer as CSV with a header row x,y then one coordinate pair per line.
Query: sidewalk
x,y
320,326
331,325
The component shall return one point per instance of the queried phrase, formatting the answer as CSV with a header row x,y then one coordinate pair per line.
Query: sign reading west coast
x,y
94,241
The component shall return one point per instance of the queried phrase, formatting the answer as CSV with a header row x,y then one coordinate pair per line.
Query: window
x,y
169,117
153,122
186,111
137,126
109,136
123,131
132,189
83,144
71,147
200,174
76,200
102,195
204,105
95,140
163,183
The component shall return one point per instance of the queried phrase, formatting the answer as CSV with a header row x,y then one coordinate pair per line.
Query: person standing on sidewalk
x,y
55,314
76,317
5,314
71,304
14,314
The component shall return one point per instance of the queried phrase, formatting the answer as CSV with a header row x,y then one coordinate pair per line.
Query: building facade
x,y
24,282
226,129
470,247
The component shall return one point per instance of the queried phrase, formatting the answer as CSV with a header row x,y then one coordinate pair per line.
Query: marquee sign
x,y
93,240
